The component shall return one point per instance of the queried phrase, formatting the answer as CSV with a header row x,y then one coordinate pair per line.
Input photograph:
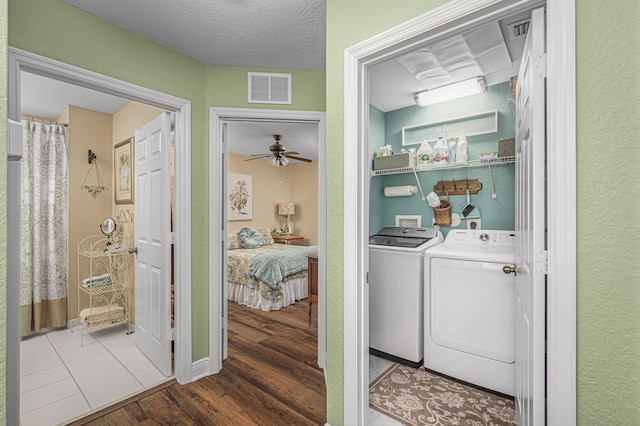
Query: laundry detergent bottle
x,y
462,155
424,154
441,152
452,150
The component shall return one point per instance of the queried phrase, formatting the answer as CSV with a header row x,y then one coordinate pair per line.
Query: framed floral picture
x,y
123,172
239,197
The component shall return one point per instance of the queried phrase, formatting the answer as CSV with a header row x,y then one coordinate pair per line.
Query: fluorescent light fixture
x,y
461,89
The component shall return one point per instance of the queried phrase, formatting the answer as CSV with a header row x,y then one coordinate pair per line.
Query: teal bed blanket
x,y
271,268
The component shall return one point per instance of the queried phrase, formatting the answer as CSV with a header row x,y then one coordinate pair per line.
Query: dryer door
x,y
471,308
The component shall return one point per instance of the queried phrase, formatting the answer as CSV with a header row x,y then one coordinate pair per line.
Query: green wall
x,y
608,155
608,111
65,33
348,23
307,88
62,32
3,210
608,103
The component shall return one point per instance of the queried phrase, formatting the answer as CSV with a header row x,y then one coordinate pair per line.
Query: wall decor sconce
x,y
93,190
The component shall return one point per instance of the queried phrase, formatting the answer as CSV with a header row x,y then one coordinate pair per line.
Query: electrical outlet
x,y
473,224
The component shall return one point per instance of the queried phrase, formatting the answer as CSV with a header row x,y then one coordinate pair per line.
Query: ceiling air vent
x,y
269,88
518,29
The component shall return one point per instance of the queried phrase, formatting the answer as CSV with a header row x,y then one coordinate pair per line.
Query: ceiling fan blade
x,y
289,153
306,160
257,157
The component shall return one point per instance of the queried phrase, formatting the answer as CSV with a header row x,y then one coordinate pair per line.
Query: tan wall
x,y
304,194
87,130
266,194
299,184
126,121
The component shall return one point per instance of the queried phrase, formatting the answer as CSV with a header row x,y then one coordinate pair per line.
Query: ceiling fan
x,y
279,155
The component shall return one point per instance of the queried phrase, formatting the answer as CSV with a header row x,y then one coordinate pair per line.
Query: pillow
x,y
265,236
249,238
232,241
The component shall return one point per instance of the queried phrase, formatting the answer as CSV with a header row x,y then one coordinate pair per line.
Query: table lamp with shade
x,y
287,209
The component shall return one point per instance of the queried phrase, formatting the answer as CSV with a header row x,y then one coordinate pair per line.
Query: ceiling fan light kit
x,y
279,155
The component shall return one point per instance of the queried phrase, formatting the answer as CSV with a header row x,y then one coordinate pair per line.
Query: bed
x,y
269,276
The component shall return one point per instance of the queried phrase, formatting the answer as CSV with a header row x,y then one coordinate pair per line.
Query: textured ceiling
x,y
254,33
257,33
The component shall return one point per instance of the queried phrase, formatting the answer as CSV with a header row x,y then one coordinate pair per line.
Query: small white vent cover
x,y
269,88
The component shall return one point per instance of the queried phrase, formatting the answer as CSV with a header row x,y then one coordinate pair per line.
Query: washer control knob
x,y
405,231
484,237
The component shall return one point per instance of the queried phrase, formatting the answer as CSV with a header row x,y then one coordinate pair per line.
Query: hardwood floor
x,y
271,377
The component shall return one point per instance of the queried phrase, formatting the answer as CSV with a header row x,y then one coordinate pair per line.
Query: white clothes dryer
x,y
469,308
396,262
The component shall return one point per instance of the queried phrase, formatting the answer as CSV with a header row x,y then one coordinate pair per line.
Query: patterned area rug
x,y
418,397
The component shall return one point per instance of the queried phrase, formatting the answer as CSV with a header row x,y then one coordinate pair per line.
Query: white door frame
x,y
217,117
20,60
561,192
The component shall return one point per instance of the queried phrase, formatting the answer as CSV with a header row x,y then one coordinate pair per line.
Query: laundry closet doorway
x,y
561,390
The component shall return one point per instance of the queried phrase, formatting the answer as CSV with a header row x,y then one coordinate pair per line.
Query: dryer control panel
x,y
481,238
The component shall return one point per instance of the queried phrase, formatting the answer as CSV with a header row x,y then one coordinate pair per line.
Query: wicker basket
x,y
443,213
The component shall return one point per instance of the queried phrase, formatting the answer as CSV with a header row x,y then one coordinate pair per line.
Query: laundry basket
x,y
443,213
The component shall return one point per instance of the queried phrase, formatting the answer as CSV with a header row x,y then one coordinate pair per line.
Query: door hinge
x,y
367,278
540,64
542,262
172,237
224,323
172,334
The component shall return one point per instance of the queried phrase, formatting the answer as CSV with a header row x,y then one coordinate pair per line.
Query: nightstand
x,y
312,279
288,239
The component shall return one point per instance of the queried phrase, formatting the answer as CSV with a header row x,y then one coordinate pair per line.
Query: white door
x,y
530,227
152,237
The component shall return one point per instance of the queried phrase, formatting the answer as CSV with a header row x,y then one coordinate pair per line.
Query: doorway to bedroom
x,y
284,206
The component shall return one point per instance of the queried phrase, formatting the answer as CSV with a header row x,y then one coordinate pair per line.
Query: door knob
x,y
135,250
509,269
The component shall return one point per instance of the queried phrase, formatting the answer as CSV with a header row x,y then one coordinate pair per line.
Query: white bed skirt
x,y
292,290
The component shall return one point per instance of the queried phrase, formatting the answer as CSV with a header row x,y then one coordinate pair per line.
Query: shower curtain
x,y
43,227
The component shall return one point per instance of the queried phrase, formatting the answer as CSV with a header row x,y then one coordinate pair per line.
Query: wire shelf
x,y
430,168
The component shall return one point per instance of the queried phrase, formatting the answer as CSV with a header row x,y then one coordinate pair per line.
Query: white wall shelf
x,y
436,168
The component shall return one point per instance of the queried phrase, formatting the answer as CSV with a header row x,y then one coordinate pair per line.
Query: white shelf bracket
x,y
419,185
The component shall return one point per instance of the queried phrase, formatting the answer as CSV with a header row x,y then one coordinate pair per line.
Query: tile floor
x,y
61,380
377,366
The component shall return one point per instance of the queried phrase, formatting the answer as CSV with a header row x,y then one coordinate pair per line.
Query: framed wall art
x,y
239,197
123,172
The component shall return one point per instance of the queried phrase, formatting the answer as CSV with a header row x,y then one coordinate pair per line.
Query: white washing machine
x,y
396,262
469,308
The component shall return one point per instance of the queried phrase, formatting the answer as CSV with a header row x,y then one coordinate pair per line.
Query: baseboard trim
x,y
200,369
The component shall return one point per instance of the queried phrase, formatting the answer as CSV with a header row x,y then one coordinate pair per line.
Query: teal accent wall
x,y
496,213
